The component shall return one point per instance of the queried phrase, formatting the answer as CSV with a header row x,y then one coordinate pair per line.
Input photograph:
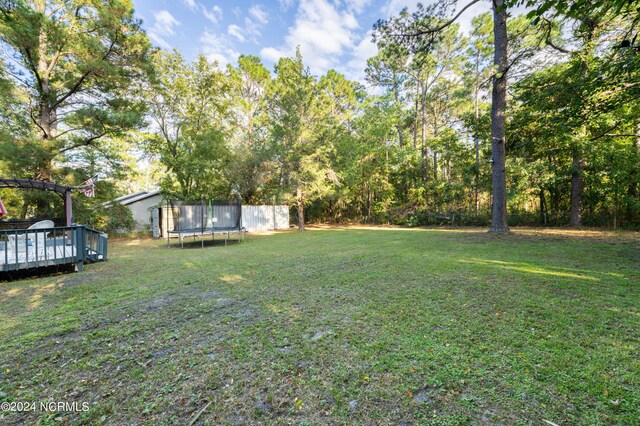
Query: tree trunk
x,y
615,210
543,207
498,108
476,141
46,117
366,220
46,121
435,165
435,154
415,120
632,190
400,135
399,126
577,188
300,205
423,151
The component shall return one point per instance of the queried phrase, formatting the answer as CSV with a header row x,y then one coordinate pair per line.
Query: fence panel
x,y
265,218
254,218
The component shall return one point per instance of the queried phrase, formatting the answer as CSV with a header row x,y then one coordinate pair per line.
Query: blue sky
x,y
331,33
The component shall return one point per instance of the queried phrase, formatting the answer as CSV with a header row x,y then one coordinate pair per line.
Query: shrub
x,y
114,218
119,219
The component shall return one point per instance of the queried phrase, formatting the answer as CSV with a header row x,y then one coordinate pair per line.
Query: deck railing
x,y
60,245
96,244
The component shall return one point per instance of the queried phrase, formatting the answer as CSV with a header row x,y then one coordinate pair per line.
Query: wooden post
x,y
67,207
80,244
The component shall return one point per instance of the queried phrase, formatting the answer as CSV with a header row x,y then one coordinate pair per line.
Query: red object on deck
x,y
3,210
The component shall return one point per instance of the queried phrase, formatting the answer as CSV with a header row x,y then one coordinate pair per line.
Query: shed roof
x,y
128,196
138,196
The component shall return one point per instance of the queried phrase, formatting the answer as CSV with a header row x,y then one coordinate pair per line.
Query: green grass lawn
x,y
335,326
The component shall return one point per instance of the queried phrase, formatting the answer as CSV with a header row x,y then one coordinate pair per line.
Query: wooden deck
x,y
30,258
72,245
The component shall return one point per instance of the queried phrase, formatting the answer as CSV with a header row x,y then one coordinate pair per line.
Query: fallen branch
x,y
197,416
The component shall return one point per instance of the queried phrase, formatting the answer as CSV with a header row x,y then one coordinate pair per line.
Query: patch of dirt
x,y
204,294
79,278
156,304
209,339
178,296
163,353
423,396
319,334
263,407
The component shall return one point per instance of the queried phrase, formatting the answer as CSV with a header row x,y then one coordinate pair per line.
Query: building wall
x,y
141,210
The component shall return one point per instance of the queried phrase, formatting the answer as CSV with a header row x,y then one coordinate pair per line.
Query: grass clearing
x,y
336,325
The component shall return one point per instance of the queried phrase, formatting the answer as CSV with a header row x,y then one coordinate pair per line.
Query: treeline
x,y
412,145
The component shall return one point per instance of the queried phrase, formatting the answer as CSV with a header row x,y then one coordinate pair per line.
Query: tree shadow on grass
x,y
530,268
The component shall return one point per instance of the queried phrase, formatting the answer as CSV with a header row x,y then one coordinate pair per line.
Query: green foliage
x,y
417,150
117,218
187,110
112,218
303,116
70,70
251,171
77,57
575,109
575,9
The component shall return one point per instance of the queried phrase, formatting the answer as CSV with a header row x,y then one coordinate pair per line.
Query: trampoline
x,y
200,218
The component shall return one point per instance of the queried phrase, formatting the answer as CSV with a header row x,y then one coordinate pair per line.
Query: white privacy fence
x,y
265,218
254,218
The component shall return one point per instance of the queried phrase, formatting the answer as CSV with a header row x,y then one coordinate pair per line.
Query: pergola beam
x,y
63,191
35,184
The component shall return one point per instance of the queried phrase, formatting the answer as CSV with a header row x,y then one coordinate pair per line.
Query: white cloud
x,y
357,6
271,54
214,14
364,50
163,26
252,29
252,26
218,48
191,4
235,31
323,33
286,4
259,14
393,7
164,22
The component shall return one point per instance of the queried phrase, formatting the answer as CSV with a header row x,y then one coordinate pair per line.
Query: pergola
x,y
63,191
